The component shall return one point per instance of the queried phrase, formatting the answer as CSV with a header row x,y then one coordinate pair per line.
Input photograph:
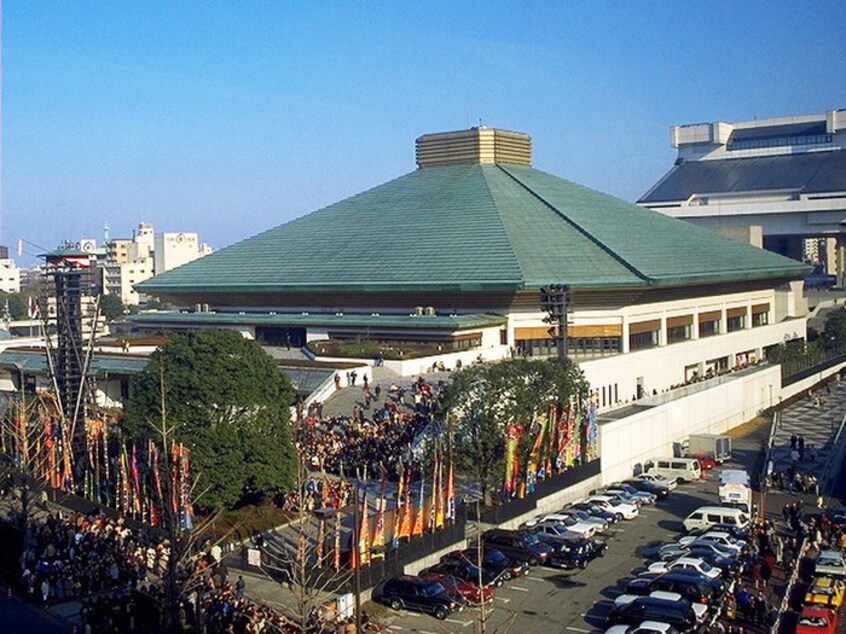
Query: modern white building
x,y
10,276
130,261
780,181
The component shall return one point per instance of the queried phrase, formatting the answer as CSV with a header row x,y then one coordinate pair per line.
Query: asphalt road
x,y
551,600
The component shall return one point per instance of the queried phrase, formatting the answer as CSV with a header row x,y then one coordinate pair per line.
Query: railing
x,y
795,370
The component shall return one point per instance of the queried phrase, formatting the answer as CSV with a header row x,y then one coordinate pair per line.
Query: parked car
x,y
722,538
691,563
673,551
647,627
706,461
519,544
736,532
648,498
816,621
610,503
694,588
583,516
413,593
830,562
620,495
466,571
571,523
679,614
699,609
596,511
470,592
658,490
657,478
826,591
567,554
493,560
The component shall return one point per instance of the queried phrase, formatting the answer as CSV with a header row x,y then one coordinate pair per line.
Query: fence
x,y
391,562
795,370
543,488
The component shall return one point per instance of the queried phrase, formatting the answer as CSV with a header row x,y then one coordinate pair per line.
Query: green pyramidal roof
x,y
475,227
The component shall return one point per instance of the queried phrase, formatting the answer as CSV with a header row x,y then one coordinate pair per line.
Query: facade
x,y
10,276
453,256
782,178
131,261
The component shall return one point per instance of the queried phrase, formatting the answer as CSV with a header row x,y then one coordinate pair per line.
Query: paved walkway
x,y
817,420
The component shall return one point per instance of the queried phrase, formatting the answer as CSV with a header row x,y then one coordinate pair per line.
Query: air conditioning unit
x,y
430,311
418,310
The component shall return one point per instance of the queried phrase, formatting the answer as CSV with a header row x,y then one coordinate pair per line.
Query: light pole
x,y
555,301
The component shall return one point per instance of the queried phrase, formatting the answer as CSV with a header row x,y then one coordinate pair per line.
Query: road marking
x,y
426,632
518,588
577,629
394,627
461,623
503,599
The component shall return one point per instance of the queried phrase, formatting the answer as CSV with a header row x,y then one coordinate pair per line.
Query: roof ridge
x,y
625,263
503,223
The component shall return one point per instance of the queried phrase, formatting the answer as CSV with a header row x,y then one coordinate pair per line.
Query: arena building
x,y
450,258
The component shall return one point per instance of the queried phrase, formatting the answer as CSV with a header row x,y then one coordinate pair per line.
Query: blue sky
x,y
230,118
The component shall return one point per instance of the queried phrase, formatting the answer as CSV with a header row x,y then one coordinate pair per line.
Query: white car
x,y
686,563
612,504
830,562
647,627
699,609
567,521
717,537
658,479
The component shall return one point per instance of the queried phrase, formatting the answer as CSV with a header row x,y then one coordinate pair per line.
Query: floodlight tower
x,y
555,302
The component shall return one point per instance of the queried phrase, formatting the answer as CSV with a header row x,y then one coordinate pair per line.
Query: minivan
x,y
708,516
678,469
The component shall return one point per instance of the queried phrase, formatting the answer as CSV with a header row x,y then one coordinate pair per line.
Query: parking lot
x,y
551,600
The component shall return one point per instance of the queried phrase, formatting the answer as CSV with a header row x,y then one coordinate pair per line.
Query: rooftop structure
x,y
786,175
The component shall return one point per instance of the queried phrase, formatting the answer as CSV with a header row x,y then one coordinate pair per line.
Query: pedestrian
x,y
240,587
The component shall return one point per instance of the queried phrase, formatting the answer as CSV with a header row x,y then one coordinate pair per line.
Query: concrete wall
x,y
651,429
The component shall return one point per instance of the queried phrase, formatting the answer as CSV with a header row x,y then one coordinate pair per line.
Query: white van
x,y
708,516
678,469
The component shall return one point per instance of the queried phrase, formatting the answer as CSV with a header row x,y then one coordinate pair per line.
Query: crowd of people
x,y
320,493
68,556
377,436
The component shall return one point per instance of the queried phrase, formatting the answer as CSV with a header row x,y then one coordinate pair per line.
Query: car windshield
x,y
581,514
615,502
494,557
569,521
595,509
432,589
531,539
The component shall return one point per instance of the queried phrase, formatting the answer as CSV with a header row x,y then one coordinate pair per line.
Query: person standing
x,y
240,587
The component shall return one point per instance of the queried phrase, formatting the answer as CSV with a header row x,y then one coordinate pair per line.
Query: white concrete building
x,y
783,178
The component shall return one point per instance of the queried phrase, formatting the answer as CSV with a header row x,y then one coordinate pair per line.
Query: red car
x,y
706,461
816,621
468,591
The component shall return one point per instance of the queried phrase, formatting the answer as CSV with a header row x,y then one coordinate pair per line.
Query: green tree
x,y
226,400
111,306
17,305
483,400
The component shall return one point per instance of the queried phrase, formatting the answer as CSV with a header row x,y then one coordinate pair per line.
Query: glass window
x,y
678,333
643,340
760,319
736,323
709,328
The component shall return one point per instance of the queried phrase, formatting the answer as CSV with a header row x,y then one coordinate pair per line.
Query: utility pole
x,y
483,617
357,571
555,302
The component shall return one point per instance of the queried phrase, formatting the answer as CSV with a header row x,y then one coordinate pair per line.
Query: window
x,y
709,328
736,323
760,319
678,333
714,518
643,340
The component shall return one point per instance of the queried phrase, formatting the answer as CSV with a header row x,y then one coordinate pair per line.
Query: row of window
x,y
781,141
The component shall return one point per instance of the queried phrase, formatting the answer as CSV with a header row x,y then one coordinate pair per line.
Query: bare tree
x,y
302,557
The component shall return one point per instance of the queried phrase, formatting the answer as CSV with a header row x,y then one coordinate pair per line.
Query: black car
x,y
696,589
520,545
414,593
679,614
658,490
565,553
466,571
495,561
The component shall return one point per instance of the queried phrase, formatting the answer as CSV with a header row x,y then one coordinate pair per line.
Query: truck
x,y
735,489
713,444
